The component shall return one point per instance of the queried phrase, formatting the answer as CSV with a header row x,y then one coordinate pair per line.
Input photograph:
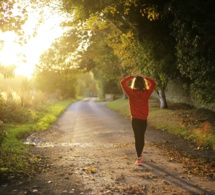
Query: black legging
x,y
139,128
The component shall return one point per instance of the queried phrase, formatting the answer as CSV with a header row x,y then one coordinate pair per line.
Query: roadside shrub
x,y
18,115
39,98
17,107
2,107
2,132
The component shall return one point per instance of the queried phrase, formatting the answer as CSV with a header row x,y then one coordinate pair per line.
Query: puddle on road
x,y
41,144
82,145
37,142
52,144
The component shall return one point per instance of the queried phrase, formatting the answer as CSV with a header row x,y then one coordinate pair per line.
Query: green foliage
x,y
86,85
121,106
193,29
11,109
62,83
86,8
2,132
100,60
163,39
123,31
23,106
17,115
2,106
14,154
57,70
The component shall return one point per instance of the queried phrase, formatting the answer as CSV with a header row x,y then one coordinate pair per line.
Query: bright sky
x,y
46,34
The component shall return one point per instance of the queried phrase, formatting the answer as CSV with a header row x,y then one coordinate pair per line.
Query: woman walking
x,y
138,94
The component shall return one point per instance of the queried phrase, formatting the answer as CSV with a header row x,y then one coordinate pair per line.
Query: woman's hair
x,y
139,83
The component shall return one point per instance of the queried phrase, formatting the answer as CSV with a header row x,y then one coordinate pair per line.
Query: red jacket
x,y
138,99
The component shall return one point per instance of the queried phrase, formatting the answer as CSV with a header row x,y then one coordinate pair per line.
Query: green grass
x,y
46,116
177,120
13,151
121,106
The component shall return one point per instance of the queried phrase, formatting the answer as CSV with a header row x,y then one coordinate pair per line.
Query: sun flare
x,y
26,56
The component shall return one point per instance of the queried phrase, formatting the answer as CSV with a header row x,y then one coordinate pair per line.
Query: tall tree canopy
x,y
165,38
133,31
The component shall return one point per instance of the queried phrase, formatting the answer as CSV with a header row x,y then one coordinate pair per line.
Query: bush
x,y
2,132
22,115
11,110
2,108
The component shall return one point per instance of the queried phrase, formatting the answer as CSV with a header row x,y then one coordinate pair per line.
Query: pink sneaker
x,y
139,162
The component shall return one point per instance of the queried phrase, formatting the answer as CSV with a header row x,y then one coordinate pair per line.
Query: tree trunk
x,y
124,96
162,97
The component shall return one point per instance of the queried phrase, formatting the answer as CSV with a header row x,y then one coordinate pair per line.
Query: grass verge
x,y
195,125
14,154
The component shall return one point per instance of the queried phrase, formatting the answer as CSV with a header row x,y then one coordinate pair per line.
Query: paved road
x,y
90,150
89,121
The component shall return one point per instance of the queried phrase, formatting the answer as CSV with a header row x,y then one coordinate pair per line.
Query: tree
x,y
7,71
13,15
100,60
193,29
57,70
165,39
140,41
11,20
86,85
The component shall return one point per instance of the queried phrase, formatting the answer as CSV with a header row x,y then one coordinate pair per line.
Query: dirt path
x,y
90,150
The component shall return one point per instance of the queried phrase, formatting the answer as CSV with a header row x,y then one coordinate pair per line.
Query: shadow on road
x,y
174,180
